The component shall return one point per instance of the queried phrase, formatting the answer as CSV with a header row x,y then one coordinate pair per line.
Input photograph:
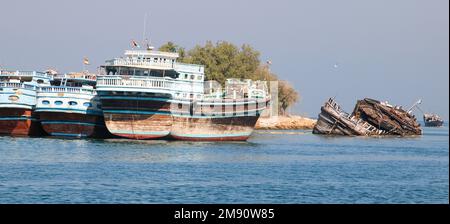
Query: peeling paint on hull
x,y
138,126
157,117
73,125
213,129
19,122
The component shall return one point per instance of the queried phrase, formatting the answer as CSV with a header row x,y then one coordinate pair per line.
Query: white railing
x,y
190,67
16,85
151,53
21,73
61,89
77,76
135,62
139,83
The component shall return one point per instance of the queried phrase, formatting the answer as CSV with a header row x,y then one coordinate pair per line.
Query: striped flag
x,y
86,61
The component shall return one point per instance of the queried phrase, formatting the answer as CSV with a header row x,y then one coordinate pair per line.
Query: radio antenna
x,y
145,27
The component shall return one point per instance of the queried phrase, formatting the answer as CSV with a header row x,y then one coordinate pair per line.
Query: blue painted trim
x,y
134,98
26,107
71,122
14,93
214,135
67,97
139,132
17,118
66,110
135,112
24,104
217,116
58,134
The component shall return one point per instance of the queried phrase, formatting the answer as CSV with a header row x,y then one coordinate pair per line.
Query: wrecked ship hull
x,y
334,121
369,118
391,119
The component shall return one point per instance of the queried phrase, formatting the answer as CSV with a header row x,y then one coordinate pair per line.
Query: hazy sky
x,y
395,50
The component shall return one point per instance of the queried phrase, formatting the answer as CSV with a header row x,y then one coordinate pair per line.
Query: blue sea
x,y
272,167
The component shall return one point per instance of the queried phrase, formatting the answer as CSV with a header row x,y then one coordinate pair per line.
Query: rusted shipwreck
x,y
369,118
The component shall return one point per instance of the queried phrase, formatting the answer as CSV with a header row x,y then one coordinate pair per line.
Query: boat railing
x,y
21,73
63,89
77,76
139,62
151,53
17,85
338,108
189,67
139,83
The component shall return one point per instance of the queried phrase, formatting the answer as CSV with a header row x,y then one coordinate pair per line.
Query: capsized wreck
x,y
334,121
369,118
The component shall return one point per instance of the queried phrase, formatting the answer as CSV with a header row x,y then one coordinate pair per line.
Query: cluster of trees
x,y
224,60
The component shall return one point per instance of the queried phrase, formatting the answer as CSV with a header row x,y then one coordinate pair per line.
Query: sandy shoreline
x,y
289,122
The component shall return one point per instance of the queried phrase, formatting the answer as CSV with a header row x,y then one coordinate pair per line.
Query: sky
x,y
391,50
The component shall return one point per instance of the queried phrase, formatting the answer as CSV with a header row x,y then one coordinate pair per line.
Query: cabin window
x,y
45,102
40,81
180,106
87,104
192,77
186,76
73,103
58,102
199,77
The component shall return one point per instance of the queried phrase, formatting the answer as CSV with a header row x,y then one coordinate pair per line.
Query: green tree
x,y
224,60
287,96
171,47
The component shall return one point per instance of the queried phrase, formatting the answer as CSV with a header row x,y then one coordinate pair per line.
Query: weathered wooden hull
x,y
330,125
137,117
333,121
154,117
216,120
392,120
19,122
138,126
74,125
213,129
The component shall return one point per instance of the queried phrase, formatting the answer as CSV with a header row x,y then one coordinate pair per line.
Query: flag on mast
x,y
135,44
86,61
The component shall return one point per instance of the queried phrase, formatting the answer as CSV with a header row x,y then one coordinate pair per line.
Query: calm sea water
x,y
272,167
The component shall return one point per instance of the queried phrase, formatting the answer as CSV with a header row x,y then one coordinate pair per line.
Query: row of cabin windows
x,y
71,103
140,72
156,73
156,60
191,77
185,95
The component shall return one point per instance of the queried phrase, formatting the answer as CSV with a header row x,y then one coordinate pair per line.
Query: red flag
x,y
135,44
